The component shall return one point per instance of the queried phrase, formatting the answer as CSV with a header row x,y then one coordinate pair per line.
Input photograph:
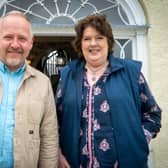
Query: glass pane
x,y
123,48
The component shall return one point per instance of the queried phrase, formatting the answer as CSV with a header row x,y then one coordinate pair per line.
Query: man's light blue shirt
x,y
10,83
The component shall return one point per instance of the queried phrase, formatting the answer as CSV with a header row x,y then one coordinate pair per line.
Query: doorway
x,y
44,56
44,45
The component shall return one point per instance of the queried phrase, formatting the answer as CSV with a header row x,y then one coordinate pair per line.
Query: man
x,y
28,123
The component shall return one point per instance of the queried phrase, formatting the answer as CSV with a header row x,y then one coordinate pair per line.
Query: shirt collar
x,y
4,68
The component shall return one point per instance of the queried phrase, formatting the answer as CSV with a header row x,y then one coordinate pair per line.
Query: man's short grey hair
x,y
18,13
15,12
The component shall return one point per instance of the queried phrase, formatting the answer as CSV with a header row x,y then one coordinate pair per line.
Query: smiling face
x,y
94,47
16,41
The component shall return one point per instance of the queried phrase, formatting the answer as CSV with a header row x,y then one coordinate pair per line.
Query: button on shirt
x,y
9,81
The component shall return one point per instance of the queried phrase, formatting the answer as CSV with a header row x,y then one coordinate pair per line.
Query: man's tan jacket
x,y
35,131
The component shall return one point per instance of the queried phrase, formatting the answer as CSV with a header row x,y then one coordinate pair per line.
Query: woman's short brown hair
x,y
100,23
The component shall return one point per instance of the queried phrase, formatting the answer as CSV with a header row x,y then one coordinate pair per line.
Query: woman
x,y
107,114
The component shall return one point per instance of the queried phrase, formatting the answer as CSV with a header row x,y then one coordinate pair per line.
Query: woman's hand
x,y
62,162
116,164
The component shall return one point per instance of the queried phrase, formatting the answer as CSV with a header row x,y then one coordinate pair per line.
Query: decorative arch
x,y
134,12
45,12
